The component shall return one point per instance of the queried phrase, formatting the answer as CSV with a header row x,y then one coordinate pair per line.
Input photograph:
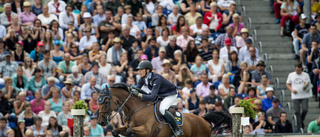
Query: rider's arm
x,y
140,83
154,92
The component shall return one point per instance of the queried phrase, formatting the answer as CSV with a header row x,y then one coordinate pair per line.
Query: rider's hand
x,y
135,92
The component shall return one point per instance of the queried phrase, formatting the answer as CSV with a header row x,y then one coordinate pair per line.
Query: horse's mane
x,y
221,120
123,86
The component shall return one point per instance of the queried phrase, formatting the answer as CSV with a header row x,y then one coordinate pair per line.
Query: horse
x,y
139,116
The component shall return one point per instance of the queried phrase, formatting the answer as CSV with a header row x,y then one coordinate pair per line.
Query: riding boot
x,y
177,130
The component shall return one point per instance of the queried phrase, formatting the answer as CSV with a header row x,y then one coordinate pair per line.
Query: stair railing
x,y
295,120
277,83
271,70
282,96
288,108
265,58
249,23
255,34
260,46
244,11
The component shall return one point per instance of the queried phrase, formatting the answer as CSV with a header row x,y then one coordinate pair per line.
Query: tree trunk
x,y
236,124
78,126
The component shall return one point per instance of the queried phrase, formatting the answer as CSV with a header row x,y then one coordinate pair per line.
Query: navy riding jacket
x,y
159,86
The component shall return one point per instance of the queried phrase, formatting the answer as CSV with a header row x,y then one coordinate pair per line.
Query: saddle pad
x,y
178,116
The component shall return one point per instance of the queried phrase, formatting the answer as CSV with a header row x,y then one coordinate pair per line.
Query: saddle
x,y
174,110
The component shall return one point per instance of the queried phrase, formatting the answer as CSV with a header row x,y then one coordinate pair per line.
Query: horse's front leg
x,y
140,131
121,130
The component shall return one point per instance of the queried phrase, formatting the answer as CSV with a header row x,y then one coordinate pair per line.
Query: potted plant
x,y
79,108
248,107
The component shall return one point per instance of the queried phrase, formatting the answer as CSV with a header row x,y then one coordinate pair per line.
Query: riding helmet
x,y
145,65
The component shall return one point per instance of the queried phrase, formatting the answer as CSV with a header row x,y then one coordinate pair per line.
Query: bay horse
x,y
139,118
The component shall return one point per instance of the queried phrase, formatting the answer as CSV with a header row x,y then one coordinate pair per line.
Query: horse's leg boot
x,y
177,130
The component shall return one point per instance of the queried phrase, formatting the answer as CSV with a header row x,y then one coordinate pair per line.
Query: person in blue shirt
x,y
267,102
37,54
157,87
96,129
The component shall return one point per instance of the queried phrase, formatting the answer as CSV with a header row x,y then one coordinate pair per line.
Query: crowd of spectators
x,y
54,52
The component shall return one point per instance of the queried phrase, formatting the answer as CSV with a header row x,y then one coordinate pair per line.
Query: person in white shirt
x,y
46,18
46,114
299,84
168,4
134,29
174,15
224,4
244,51
196,29
87,41
67,16
224,52
56,6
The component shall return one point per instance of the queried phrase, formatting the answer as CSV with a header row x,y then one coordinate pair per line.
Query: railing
x,y
271,70
282,96
260,46
244,11
295,120
277,83
265,58
301,130
249,23
255,34
288,108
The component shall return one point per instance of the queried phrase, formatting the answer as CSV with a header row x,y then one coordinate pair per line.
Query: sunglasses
x,y
86,31
73,47
111,81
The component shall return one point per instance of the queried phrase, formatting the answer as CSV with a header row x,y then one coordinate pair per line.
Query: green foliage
x,y
80,104
248,107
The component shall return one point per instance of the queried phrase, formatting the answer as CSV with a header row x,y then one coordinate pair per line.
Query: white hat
x,y
269,89
86,15
303,16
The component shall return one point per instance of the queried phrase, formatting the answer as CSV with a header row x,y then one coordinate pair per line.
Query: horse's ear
x,y
97,89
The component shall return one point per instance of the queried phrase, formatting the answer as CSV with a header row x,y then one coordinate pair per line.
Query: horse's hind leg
x,y
140,131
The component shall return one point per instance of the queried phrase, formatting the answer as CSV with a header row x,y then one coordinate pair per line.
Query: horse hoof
x,y
129,132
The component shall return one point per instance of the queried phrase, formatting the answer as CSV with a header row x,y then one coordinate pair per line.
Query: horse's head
x,y
106,106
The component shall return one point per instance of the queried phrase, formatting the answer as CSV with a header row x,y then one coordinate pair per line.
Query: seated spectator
x,y
184,74
213,19
55,101
56,54
105,67
156,15
134,29
192,15
46,114
128,36
11,39
219,107
46,18
140,23
3,126
267,102
45,90
273,113
19,104
216,67
29,133
212,98
262,123
261,89
190,53
283,125
275,8
27,115
158,57
313,127
96,19
7,12
187,87
227,14
113,54
258,73
8,91
48,39
233,63
86,131
198,68
88,88
84,66
55,30
37,54
122,66
133,50
241,42
94,4
184,38
193,101
36,7
258,109
220,41
163,40
127,10
226,50
3,50
9,133
56,7
64,115
17,27
236,24
173,16
93,103
290,10
202,110
37,129
5,107
252,59
225,86
300,30
166,70
27,17
196,29
96,129
177,61
245,53
37,103
181,22
236,102
47,66
87,41
28,68
67,90
162,24
251,94
182,108
65,67
171,47
53,126
76,96
20,81
206,50
75,76
69,42
312,58
242,75
229,99
225,4
100,79
8,68
307,40
19,54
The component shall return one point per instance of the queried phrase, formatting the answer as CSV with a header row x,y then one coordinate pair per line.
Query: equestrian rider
x,y
157,87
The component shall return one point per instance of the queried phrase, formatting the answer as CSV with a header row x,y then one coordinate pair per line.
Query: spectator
x,y
27,115
64,115
258,73
88,88
7,13
87,41
122,66
111,81
236,24
54,127
84,66
290,10
84,8
261,89
236,102
163,40
225,4
245,53
274,113
307,40
220,41
298,83
94,4
48,39
166,70
100,79
206,51
46,18
46,114
204,35
299,31
198,68
56,54
37,7
226,50
252,60
18,105
3,32
9,92
174,15
49,133
313,127
28,68
67,91
193,101
190,53
202,110
196,29
251,94
184,38
11,38
227,14
225,86
283,125
267,102
108,25
86,131
136,6
140,23
127,38
95,53
157,61
37,54
171,47
134,30
113,54
218,107
192,15
96,129
177,61
57,7
312,57
47,65
233,63
75,76
156,15
96,19
212,98
27,17
242,75
88,23
184,74
275,8
258,109
187,87
216,67
56,30
45,90
241,40
213,19
93,103
262,123
8,67
181,22
127,10
65,67
3,126
5,109
37,103
3,50
20,81
56,101
162,24
229,99
9,133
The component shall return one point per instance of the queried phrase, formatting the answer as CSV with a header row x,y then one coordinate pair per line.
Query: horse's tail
x,y
220,120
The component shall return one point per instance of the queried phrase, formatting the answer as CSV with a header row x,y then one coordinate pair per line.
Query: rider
x,y
157,87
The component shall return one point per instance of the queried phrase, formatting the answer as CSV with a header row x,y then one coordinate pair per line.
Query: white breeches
x,y
167,102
